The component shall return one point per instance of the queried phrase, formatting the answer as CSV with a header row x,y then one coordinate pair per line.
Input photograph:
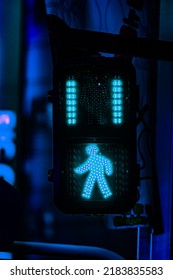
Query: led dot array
x,y
97,165
71,102
97,175
117,101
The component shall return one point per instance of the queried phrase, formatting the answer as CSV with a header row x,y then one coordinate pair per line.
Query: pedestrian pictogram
x,y
97,165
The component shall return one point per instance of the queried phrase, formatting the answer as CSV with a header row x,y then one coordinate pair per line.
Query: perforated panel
x,y
117,182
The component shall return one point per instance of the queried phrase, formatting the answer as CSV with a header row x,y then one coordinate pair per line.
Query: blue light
x,y
8,119
7,173
7,145
71,102
6,256
97,165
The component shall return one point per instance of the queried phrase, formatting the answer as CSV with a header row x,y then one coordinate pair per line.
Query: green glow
x,y
117,114
71,121
117,108
117,95
97,165
71,83
117,101
117,89
71,115
117,82
71,102
117,120
71,96
71,90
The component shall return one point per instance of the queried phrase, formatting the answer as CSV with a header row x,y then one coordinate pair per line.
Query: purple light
x,y
8,119
4,119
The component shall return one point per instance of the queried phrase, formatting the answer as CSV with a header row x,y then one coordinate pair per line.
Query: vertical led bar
x,y
117,101
71,102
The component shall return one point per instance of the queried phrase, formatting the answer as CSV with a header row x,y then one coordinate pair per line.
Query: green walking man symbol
x,y
97,165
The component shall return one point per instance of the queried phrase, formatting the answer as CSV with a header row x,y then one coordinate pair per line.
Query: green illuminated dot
x,y
117,95
117,114
117,120
71,115
97,165
71,89
71,96
70,83
117,89
117,101
71,121
117,108
117,82
71,108
71,102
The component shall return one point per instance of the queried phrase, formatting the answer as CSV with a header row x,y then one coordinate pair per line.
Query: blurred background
x,y
26,77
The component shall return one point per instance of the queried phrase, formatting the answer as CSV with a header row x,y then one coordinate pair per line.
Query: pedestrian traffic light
x,y
94,131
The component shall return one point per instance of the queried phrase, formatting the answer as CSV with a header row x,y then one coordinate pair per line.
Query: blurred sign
x,y
8,121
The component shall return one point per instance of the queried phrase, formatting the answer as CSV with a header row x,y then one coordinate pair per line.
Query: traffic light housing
x,y
94,130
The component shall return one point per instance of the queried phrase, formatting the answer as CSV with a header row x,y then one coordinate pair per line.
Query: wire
x,y
139,148
148,129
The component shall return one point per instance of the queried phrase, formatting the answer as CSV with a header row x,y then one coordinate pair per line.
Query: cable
x,y
139,148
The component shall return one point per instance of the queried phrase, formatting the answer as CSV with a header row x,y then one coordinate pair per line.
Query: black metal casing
x,y
93,74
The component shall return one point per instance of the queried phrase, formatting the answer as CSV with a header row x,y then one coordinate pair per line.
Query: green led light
x,y
71,115
117,82
117,101
71,89
97,165
117,114
71,108
117,95
71,102
117,89
117,120
71,83
71,96
117,108
71,121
